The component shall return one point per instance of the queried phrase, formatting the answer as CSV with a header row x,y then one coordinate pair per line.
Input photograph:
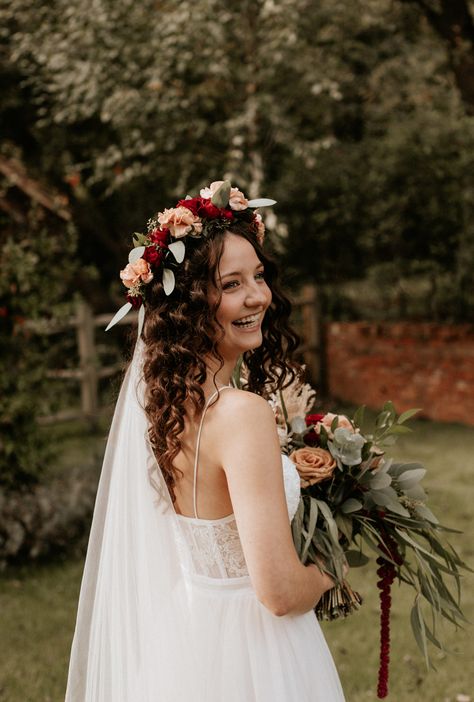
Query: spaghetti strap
x,y
198,442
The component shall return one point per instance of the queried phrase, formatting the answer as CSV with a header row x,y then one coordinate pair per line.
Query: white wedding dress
x,y
167,611
244,652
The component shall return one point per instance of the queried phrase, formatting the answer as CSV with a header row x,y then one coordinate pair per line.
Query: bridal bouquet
x,y
356,499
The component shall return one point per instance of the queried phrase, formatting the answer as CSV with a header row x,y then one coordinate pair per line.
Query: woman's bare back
x,y
212,493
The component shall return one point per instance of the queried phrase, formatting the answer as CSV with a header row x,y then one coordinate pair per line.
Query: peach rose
x,y
237,200
260,229
313,465
328,419
179,220
133,273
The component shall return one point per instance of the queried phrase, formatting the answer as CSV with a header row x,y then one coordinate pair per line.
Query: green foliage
x,y
347,113
38,262
369,500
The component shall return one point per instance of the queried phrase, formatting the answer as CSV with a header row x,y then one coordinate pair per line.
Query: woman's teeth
x,y
247,322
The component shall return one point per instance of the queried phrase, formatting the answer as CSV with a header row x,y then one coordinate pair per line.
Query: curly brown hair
x,y
179,332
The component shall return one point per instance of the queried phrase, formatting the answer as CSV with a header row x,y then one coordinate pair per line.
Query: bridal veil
x,y
130,642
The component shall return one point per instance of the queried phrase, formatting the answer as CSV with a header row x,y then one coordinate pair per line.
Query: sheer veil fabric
x,y
130,642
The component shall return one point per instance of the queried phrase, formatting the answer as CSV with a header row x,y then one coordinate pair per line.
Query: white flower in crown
x,y
237,200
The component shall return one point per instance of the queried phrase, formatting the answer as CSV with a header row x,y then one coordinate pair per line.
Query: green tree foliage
x,y
453,22
350,114
38,263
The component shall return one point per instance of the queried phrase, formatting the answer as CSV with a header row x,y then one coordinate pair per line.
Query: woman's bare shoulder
x,y
242,402
239,413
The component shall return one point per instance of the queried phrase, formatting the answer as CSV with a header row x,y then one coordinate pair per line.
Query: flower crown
x,y
163,244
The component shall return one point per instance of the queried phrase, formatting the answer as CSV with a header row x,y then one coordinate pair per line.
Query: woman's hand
x,y
327,582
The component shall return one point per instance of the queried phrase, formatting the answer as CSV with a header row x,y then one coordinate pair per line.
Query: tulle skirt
x,y
244,653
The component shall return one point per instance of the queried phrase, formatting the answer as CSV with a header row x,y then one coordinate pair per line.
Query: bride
x,y
192,589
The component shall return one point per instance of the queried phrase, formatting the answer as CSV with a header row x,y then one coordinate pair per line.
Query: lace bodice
x,y
212,547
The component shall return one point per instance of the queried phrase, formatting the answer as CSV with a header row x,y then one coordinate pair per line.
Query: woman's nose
x,y
256,294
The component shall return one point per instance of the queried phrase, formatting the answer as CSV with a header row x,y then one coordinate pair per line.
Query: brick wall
x,y
414,364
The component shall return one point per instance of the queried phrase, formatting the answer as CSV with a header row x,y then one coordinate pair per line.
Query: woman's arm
x,y
249,452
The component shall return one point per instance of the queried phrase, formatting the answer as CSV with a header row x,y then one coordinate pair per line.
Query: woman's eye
x,y
233,283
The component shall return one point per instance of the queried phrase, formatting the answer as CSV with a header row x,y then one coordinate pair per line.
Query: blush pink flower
x,y
180,221
327,420
237,200
207,193
133,273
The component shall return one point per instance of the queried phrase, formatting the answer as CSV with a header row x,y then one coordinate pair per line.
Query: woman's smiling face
x,y
245,297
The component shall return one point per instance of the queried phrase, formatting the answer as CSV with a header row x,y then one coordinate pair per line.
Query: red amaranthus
x,y
386,572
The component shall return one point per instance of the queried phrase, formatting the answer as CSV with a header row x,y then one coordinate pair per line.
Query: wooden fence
x,y
306,320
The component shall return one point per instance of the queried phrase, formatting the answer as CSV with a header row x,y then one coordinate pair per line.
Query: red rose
x,y
312,438
160,236
313,419
135,301
154,255
192,204
203,207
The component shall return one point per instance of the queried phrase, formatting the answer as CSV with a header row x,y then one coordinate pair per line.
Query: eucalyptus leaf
x,y
426,513
420,548
358,418
331,524
397,429
397,469
423,631
139,239
135,254
221,196
407,415
398,509
415,493
125,309
382,419
390,408
411,478
380,480
383,496
388,440
261,202
419,630
355,559
141,320
168,281
177,248
351,505
344,525
313,518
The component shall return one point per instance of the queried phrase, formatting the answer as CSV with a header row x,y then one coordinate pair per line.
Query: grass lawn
x,y
38,605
